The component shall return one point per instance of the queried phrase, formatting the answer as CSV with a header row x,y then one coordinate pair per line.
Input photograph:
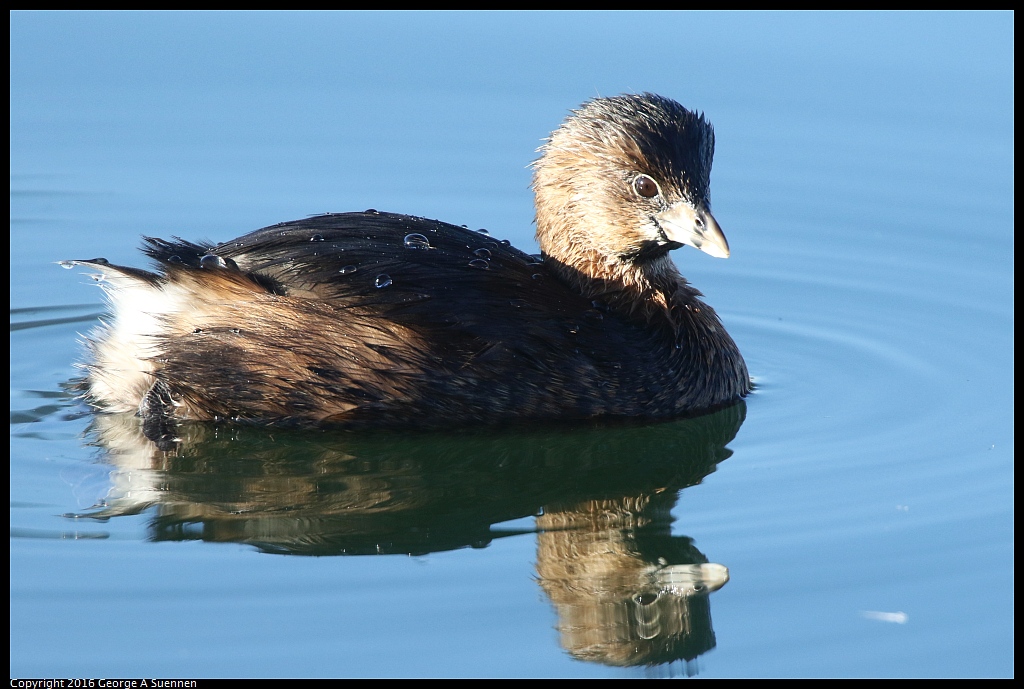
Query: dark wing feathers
x,y
384,326
464,281
177,251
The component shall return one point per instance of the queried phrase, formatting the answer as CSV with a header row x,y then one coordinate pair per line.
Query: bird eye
x,y
645,186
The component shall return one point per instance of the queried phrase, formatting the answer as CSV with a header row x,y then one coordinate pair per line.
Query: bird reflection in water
x,y
626,591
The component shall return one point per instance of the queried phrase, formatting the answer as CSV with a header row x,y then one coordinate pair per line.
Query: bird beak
x,y
685,224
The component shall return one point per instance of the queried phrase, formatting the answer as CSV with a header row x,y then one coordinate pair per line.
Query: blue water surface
x,y
861,499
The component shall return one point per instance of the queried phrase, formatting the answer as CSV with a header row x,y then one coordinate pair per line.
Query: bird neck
x,y
653,292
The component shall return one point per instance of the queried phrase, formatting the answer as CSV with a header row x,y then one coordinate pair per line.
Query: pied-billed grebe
x,y
378,319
